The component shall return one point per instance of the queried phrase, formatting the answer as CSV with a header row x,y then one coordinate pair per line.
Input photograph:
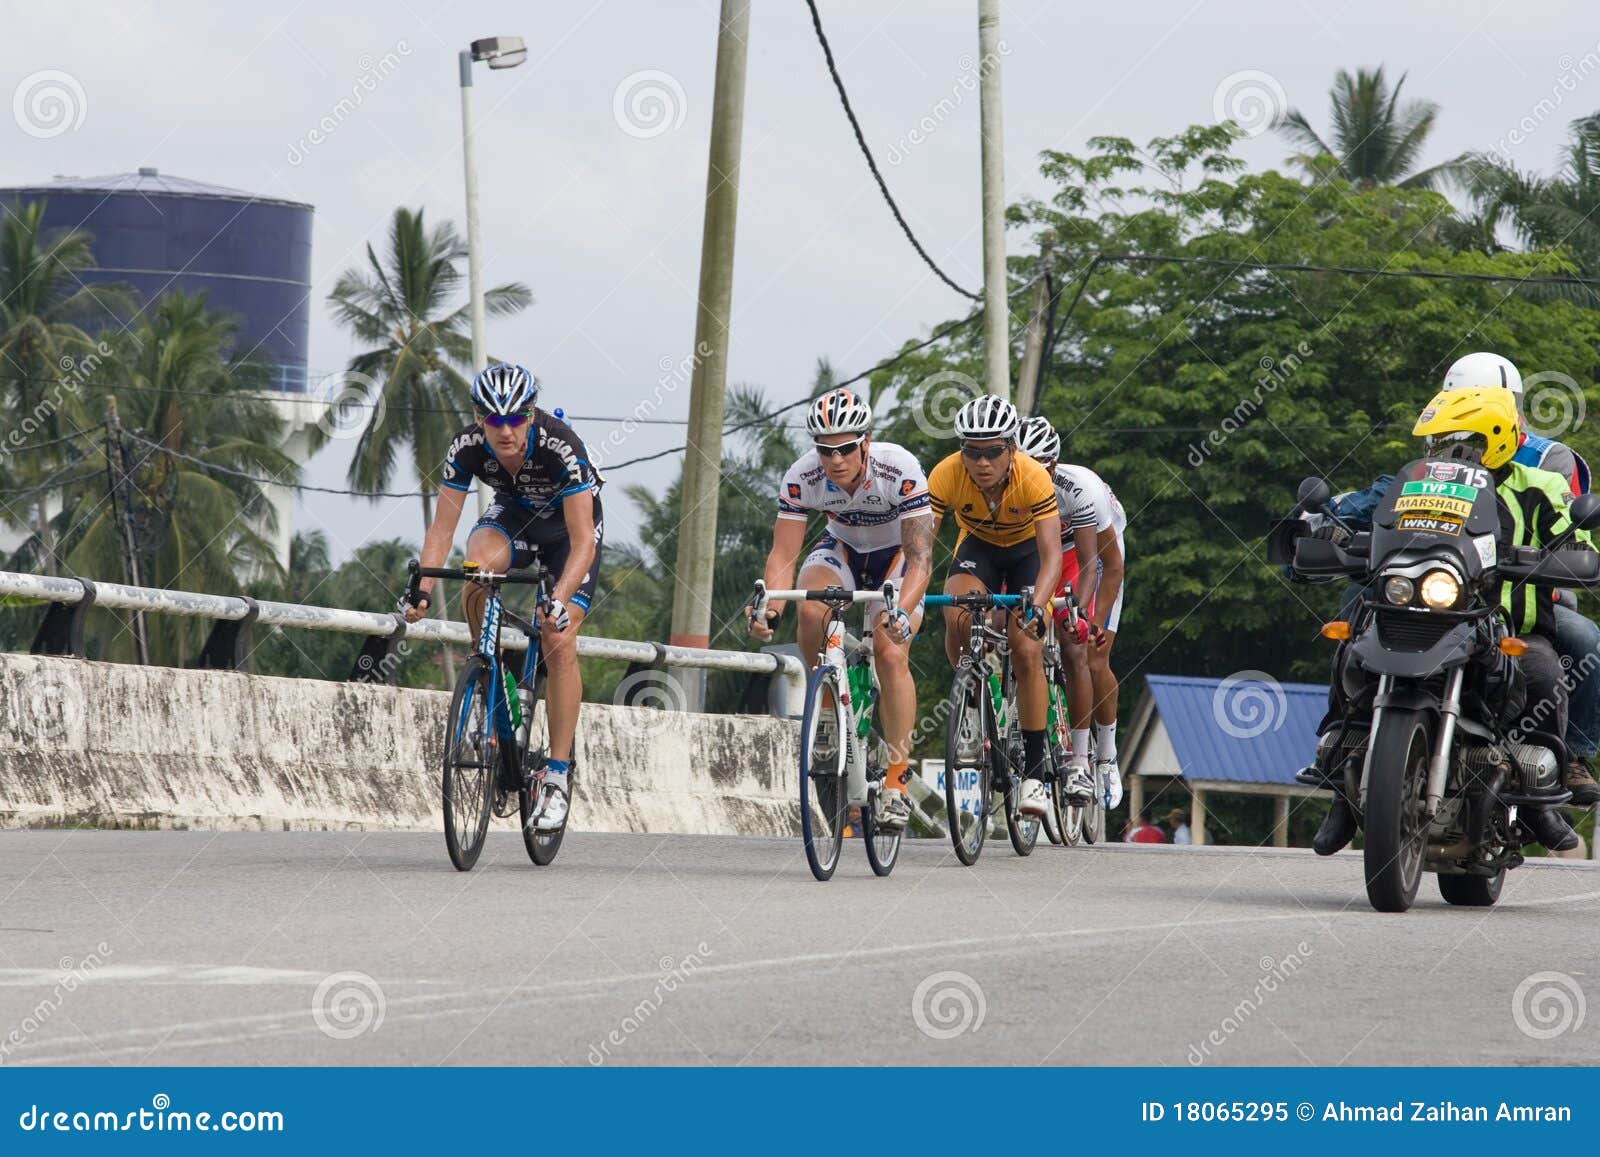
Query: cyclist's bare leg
x,y
563,691
813,617
957,622
1027,663
1080,684
897,698
1104,679
491,551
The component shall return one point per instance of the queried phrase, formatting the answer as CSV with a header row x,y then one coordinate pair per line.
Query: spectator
x,y
1178,821
1146,831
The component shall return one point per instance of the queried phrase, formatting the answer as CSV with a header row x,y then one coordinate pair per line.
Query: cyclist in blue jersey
x,y
546,503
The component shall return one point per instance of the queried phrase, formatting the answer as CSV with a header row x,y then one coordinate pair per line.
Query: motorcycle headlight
x,y
1398,590
1440,590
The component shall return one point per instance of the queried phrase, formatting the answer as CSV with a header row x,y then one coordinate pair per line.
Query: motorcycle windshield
x,y
1437,506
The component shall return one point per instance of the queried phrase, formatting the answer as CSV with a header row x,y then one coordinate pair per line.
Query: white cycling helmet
x,y
1038,439
1483,370
988,416
839,412
504,389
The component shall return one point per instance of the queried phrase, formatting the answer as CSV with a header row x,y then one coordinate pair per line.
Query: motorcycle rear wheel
x,y
1472,891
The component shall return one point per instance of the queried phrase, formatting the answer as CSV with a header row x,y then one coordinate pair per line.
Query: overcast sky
x,y
598,210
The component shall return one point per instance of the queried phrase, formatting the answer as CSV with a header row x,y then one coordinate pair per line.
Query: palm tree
x,y
1375,139
41,301
1559,212
197,441
417,351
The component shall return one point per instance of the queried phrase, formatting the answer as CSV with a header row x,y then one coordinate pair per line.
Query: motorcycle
x,y
1426,698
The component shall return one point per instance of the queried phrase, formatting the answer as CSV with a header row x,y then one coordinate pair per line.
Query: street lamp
x,y
497,52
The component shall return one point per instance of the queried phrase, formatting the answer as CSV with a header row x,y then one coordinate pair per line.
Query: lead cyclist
x,y
1093,562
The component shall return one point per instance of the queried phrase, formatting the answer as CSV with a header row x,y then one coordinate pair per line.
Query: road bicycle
x,y
843,758
490,762
983,734
1075,823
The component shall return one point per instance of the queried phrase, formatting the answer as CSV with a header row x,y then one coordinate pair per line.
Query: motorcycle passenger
x,y
1483,427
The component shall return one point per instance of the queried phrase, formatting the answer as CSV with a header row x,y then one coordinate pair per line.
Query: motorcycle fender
x,y
1410,696
1451,651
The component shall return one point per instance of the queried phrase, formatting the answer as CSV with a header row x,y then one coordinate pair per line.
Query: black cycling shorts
x,y
531,536
1001,569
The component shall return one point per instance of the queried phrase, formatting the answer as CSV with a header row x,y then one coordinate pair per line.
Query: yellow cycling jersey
x,y
1028,496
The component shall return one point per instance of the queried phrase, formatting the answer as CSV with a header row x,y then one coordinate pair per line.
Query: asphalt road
x,y
180,948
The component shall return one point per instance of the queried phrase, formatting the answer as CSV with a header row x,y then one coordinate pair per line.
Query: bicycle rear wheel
x,y
967,755
1093,814
471,764
824,799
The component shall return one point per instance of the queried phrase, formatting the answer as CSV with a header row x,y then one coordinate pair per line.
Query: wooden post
x,y
1135,796
1280,821
1197,818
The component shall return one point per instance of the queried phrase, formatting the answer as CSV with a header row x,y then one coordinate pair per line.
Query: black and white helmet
x,y
1038,440
839,412
988,416
504,389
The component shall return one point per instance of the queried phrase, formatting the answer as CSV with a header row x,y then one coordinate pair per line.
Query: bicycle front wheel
x,y
824,797
471,764
883,844
967,776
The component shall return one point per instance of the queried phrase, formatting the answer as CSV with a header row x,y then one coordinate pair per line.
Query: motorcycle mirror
x,y
1314,494
1585,511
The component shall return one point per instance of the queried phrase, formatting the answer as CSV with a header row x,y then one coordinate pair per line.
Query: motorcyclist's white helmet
x,y
1481,371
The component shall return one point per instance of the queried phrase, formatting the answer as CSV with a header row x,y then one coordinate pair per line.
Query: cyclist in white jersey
x,y
880,526
1093,562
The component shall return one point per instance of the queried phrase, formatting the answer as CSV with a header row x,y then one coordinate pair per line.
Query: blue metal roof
x,y
1247,728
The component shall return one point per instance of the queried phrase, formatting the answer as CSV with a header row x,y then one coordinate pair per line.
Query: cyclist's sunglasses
x,y
512,420
843,450
987,453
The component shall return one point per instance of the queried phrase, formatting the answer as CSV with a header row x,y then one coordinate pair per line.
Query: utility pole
x,y
702,467
996,319
122,515
1033,345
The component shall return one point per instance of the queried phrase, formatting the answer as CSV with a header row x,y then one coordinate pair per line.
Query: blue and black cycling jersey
x,y
555,467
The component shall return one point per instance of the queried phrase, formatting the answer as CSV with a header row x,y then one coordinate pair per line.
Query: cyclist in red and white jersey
x,y
880,527
1093,563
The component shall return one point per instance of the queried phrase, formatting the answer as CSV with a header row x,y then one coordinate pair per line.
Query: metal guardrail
x,y
233,616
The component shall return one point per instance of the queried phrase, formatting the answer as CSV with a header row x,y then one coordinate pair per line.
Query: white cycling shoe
x,y
551,813
1113,774
1034,799
1080,780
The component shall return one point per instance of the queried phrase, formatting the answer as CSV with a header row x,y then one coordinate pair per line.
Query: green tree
x,y
1373,138
418,348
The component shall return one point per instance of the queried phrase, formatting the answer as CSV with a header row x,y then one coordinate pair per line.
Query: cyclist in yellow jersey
x,y
1005,504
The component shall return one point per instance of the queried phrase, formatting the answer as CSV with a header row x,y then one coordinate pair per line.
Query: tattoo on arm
x,y
916,540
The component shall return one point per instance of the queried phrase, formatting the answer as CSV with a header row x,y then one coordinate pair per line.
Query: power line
x,y
269,481
855,125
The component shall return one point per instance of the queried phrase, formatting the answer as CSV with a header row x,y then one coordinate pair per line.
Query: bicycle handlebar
x,y
978,599
526,576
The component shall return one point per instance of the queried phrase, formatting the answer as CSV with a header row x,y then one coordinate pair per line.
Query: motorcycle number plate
x,y
1428,522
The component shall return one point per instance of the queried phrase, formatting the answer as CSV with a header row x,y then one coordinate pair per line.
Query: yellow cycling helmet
x,y
1489,413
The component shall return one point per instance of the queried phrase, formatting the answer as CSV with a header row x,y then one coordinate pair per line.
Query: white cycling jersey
x,y
893,487
1086,501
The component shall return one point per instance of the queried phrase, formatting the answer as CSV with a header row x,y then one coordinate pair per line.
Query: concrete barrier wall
x,y
104,743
